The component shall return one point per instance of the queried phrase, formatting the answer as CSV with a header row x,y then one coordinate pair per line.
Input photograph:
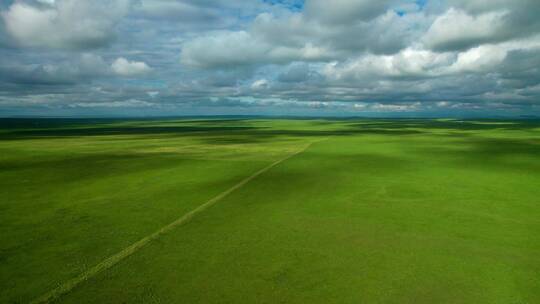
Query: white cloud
x,y
381,107
455,29
67,24
130,103
407,63
305,36
348,54
482,6
48,2
236,49
478,59
360,106
345,11
124,67
227,49
83,67
413,63
259,84
153,94
443,104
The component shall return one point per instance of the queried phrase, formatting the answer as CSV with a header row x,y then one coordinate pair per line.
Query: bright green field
x,y
374,211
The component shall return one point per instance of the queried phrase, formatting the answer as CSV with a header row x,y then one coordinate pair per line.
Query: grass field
x,y
366,211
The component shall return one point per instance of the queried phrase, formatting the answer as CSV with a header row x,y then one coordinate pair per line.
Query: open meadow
x,y
269,211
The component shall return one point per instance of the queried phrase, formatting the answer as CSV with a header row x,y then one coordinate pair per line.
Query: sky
x,y
391,58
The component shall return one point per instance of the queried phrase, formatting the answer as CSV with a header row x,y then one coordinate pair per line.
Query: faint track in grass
x,y
126,252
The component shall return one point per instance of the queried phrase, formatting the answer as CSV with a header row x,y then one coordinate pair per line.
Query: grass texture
x,y
373,211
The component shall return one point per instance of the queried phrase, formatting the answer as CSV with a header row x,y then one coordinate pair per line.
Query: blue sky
x,y
402,58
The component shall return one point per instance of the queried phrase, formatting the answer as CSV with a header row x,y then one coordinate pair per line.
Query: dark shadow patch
x,y
237,131
488,153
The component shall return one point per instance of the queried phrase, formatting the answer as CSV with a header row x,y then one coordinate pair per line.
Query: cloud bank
x,y
313,57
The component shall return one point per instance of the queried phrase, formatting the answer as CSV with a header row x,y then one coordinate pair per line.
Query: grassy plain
x,y
374,211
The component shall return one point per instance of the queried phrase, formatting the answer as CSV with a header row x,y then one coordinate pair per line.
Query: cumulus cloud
x,y
417,63
457,30
358,56
308,38
83,67
223,49
130,103
259,84
192,14
482,6
345,11
69,24
468,24
124,67
379,107
409,63
240,48
296,72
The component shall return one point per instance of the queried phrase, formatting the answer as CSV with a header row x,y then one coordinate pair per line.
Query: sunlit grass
x,y
380,211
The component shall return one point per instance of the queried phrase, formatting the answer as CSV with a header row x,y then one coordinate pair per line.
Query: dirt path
x,y
126,252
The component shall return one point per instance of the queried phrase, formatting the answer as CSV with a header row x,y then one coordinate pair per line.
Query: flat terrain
x,y
366,211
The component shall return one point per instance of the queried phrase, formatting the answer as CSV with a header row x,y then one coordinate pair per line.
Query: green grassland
x,y
372,211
